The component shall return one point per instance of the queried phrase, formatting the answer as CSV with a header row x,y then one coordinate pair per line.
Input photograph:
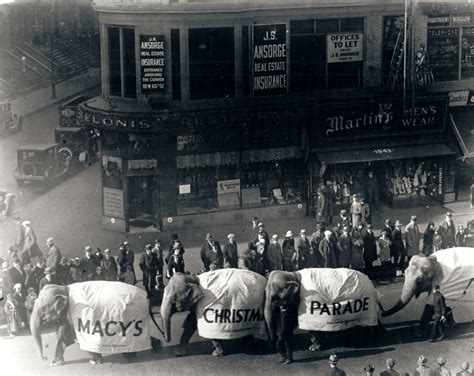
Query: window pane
x,y
302,27
467,57
327,26
175,64
352,24
115,83
211,63
130,78
443,53
345,75
308,62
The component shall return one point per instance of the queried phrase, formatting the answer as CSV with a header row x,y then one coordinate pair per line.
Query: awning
x,y
234,157
384,153
462,123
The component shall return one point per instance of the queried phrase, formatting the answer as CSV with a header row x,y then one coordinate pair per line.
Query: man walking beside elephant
x,y
447,230
149,267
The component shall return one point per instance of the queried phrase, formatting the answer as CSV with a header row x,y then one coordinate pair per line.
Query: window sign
x,y
269,60
467,53
152,63
345,47
443,53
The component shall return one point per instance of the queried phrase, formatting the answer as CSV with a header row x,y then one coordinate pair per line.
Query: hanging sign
x,y
345,47
152,63
269,60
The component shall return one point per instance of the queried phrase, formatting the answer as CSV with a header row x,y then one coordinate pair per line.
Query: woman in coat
x,y
370,248
428,237
412,238
357,248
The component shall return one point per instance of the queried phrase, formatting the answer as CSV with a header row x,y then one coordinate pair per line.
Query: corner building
x,y
215,111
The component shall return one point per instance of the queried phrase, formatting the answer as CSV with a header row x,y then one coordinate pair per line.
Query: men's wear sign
x,y
269,60
345,47
336,299
109,317
232,306
152,63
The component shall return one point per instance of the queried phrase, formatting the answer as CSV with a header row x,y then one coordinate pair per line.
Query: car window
x,y
28,154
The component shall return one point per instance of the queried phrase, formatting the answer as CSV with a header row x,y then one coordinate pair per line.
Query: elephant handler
x,y
149,266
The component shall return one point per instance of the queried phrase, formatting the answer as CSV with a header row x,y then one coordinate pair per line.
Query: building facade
x,y
215,111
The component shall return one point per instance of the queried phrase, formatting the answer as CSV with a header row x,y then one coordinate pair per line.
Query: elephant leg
x,y
65,337
218,349
189,326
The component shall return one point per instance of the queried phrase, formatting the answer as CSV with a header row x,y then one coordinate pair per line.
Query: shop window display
x,y
259,184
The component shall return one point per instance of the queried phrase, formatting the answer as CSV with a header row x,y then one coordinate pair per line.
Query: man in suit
x,y
412,238
48,278
389,371
398,249
328,252
54,255
109,266
447,230
149,266
439,306
231,255
17,273
322,208
423,369
302,246
334,370
35,275
211,254
88,264
126,258
161,262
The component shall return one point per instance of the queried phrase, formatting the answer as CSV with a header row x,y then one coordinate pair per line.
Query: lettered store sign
x,y
345,47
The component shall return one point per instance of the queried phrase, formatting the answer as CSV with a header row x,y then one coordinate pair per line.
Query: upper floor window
x,y
121,62
326,54
211,63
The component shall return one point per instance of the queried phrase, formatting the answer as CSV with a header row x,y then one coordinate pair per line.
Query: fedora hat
x,y
289,234
333,359
422,360
441,361
50,241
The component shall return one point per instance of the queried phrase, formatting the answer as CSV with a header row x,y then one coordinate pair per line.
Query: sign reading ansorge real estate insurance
x,y
152,63
269,60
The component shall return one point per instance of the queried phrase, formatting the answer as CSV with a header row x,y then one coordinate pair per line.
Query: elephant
x,y
328,300
223,304
452,269
99,314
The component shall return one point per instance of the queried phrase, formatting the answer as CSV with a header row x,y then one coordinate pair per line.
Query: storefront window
x,y
245,185
326,54
121,62
211,63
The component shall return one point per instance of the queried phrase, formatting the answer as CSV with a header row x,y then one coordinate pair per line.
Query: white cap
x,y
26,223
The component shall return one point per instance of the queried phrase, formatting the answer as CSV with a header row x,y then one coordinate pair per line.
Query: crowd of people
x,y
421,369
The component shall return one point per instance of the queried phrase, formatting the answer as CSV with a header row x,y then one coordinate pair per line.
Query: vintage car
x,y
76,146
39,163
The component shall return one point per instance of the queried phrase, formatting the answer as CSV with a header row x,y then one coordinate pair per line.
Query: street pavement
x,y
71,213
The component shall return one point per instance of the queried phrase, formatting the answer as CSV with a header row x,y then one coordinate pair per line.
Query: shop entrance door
x,y
143,201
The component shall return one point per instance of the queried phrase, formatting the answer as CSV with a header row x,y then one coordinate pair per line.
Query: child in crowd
x,y
13,318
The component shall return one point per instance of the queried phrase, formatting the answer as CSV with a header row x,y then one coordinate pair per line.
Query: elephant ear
x,y
194,294
60,303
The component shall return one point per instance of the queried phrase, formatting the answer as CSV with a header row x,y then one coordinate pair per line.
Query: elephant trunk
x,y
405,297
268,314
35,327
166,314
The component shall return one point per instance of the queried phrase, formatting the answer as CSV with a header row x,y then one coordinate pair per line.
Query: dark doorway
x,y
143,201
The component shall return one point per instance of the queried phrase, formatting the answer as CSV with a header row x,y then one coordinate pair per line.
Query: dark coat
x,y
175,266
439,305
209,256
370,247
87,267
54,257
126,258
109,269
34,277
231,255
344,248
448,234
274,257
397,246
289,255
63,274
428,241
149,263
328,254
17,275
302,249
247,262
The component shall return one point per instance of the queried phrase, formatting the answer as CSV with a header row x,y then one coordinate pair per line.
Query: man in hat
x,y
397,248
274,256
389,371
54,255
461,236
230,252
441,370
447,230
126,258
211,254
423,369
149,266
412,238
357,262
250,260
330,196
438,333
370,248
322,208
302,246
109,266
372,189
356,210
48,278
17,273
334,370
366,215
88,264
63,274
369,370
158,251
388,226
289,252
328,251
344,248
30,244
316,237
464,370
261,234
35,275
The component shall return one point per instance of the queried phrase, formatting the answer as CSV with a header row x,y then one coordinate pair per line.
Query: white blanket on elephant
x,y
458,269
233,303
109,317
336,299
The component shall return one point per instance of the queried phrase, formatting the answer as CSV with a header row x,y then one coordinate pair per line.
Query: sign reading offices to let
x,y
152,63
113,203
269,60
345,47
